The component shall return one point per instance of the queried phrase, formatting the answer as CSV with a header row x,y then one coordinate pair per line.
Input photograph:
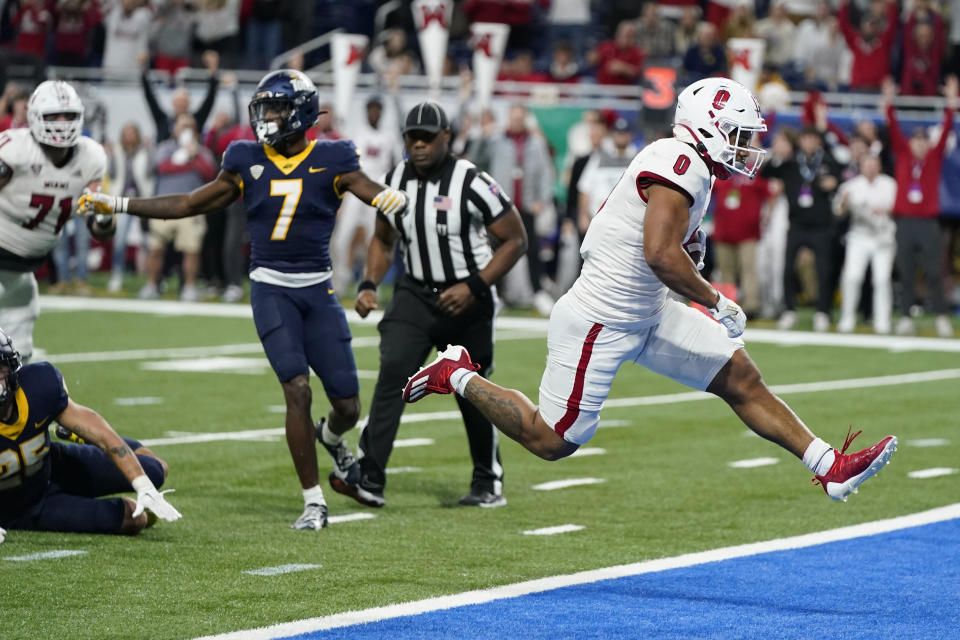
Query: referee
x,y
444,297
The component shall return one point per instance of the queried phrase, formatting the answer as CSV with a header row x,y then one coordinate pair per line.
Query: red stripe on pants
x,y
576,394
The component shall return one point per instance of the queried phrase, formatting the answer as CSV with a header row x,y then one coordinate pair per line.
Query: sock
x,y
328,436
313,495
459,379
819,457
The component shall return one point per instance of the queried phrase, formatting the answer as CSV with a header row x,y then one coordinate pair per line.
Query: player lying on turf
x,y
618,310
53,486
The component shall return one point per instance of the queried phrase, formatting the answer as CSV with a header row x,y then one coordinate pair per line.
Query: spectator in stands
x,y
738,203
602,170
924,43
183,164
127,30
569,21
521,164
777,31
857,147
519,14
877,140
227,255
33,23
774,223
218,29
655,33
619,61
868,200
520,68
917,209
871,45
563,64
815,114
478,149
171,36
809,181
264,32
685,33
740,22
392,47
707,56
130,165
325,129
820,53
76,20
13,107
181,98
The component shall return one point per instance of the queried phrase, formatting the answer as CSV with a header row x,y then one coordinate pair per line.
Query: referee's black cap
x,y
426,116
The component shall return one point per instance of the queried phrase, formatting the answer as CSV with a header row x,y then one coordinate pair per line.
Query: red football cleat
x,y
435,377
850,471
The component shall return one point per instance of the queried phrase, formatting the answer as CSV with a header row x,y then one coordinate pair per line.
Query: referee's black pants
x,y
410,328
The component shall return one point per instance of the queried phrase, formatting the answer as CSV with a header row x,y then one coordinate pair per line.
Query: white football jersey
x,y
40,197
617,288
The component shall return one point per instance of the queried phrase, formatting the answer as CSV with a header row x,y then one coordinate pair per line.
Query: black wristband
x,y
366,285
478,287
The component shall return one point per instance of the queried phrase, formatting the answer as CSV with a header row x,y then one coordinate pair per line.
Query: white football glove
x,y
730,315
390,201
696,247
3,534
149,498
95,202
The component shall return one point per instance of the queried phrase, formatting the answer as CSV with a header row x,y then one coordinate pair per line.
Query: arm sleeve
x,y
486,199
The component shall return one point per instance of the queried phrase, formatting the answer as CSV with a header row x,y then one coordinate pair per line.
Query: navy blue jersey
x,y
291,203
24,445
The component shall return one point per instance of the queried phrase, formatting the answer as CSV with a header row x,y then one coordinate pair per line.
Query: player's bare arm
x,y
664,230
90,425
379,259
512,240
211,197
386,199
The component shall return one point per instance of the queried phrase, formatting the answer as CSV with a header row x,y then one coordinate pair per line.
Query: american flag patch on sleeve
x,y
442,203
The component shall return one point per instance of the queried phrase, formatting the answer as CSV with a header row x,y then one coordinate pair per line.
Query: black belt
x,y
435,288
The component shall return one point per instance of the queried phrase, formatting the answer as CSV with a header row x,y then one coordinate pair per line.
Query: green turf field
x,y
667,487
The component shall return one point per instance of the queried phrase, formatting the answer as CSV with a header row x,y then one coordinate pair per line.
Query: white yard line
x,y
935,472
350,517
928,442
47,555
564,484
752,463
50,304
552,531
282,569
480,596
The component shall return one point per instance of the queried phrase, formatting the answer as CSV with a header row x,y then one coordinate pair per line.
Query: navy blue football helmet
x,y
9,358
289,95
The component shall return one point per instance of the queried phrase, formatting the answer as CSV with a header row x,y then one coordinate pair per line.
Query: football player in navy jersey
x,y
291,190
53,486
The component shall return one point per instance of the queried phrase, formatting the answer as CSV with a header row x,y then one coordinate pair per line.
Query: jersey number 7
x,y
290,190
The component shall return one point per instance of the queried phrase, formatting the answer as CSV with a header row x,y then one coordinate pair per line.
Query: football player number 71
x,y
290,190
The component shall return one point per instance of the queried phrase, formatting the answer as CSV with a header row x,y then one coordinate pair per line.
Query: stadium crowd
x,y
810,227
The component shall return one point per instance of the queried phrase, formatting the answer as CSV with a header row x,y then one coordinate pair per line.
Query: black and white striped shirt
x,y
443,231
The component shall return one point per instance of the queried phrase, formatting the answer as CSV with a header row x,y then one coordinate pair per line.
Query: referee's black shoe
x,y
483,498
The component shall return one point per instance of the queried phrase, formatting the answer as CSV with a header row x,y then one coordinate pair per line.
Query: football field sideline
x,y
308,628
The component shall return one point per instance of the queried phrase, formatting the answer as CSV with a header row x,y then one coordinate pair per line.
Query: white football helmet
x,y
720,117
50,99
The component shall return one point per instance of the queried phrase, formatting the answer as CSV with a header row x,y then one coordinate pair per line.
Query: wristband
x,y
478,287
366,285
142,483
122,204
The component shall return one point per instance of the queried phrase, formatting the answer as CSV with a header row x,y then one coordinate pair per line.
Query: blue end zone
x,y
903,584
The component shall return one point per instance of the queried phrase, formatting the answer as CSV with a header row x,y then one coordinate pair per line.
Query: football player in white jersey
x,y
43,171
639,246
